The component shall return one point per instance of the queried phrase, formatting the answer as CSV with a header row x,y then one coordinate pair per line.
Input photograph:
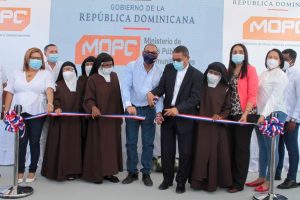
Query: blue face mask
x,y
52,57
237,58
149,58
178,65
35,64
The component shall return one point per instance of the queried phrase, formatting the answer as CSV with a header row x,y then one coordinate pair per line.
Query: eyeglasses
x,y
151,52
107,65
214,72
71,69
38,58
177,60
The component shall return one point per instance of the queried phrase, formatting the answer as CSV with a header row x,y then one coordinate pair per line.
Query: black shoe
x,y
234,189
112,179
98,182
71,178
147,180
287,184
277,177
180,188
165,185
130,178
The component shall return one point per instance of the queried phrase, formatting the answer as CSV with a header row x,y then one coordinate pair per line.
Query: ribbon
x,y
208,119
272,128
14,123
69,114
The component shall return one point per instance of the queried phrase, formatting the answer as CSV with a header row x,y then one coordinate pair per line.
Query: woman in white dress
x,y
32,87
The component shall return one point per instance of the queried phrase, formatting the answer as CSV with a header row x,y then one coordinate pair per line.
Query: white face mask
x,y
286,65
272,63
105,71
88,69
69,76
213,80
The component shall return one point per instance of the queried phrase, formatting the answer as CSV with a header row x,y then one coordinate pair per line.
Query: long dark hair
x,y
102,57
281,64
88,59
67,63
219,67
245,62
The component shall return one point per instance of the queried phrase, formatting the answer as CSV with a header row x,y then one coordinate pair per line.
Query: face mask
x,y
286,65
272,63
149,58
178,65
105,71
69,76
213,80
35,64
88,69
237,58
52,57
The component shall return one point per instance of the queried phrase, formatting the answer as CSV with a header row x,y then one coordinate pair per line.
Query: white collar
x,y
72,84
106,77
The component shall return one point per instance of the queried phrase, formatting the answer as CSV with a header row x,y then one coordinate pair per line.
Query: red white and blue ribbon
x,y
70,114
208,119
14,123
272,128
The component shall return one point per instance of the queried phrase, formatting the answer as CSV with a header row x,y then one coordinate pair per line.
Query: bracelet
x,y
248,110
50,104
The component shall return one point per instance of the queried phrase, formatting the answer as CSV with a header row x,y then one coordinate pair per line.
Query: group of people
x,y
211,155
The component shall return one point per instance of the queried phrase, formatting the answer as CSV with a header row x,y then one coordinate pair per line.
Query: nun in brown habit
x,y
62,157
103,152
211,167
86,68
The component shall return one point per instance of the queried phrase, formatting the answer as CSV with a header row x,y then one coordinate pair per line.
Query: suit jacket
x,y
189,94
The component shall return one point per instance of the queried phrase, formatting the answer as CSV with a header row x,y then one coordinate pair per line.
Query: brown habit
x,y
84,120
62,156
211,167
103,152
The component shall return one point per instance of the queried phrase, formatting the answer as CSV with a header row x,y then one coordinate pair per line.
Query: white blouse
x,y
270,98
31,95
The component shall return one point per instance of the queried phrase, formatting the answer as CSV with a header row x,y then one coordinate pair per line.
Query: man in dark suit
x,y
181,84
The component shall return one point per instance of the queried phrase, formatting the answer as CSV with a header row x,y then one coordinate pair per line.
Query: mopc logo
x,y
272,28
123,48
14,19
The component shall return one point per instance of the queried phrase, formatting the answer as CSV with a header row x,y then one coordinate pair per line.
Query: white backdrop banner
x,y
23,24
261,25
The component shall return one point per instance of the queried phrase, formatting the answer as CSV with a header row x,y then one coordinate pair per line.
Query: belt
x,y
141,106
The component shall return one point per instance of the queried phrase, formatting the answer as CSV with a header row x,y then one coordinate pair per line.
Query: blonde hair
x,y
27,56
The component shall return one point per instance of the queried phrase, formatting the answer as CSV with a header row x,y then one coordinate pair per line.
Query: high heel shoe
x,y
20,180
30,180
254,184
261,189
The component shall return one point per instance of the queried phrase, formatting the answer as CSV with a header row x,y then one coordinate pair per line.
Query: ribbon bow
x,y
13,122
272,128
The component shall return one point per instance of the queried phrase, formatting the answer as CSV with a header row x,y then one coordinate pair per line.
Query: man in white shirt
x,y
52,63
142,75
290,138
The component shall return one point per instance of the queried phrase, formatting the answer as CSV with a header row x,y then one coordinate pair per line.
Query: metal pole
x,y
270,195
18,109
16,191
